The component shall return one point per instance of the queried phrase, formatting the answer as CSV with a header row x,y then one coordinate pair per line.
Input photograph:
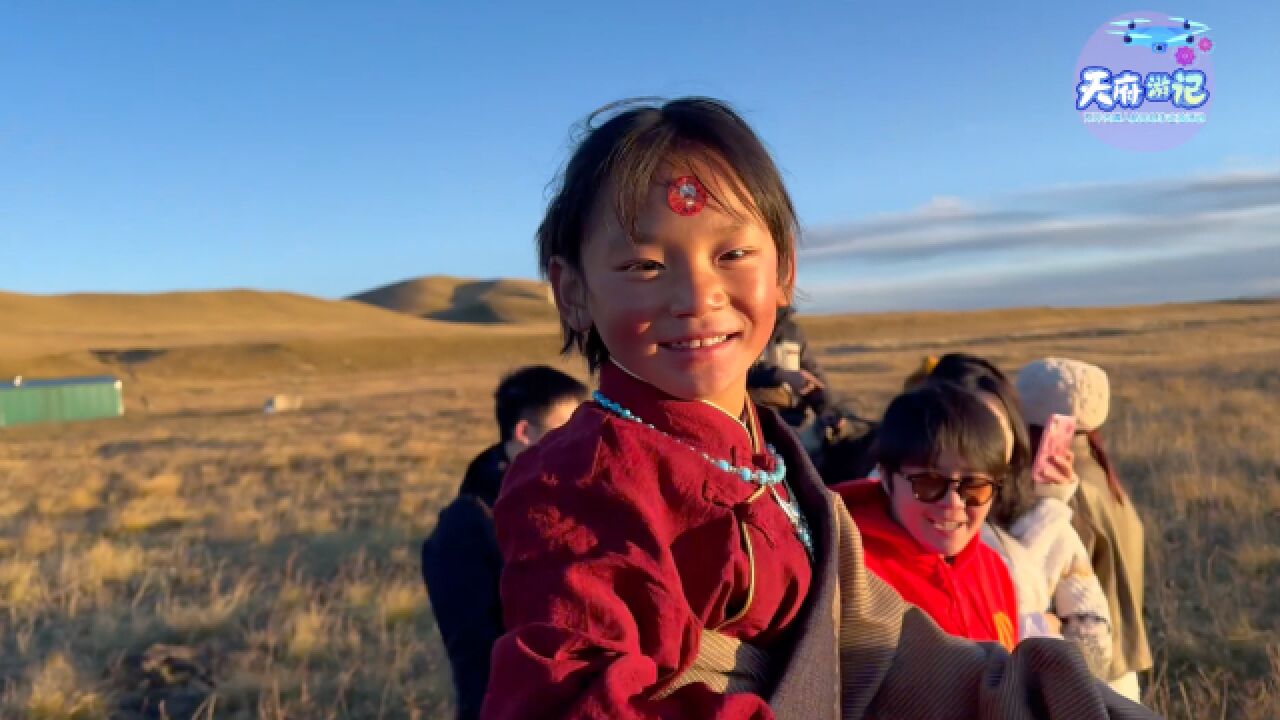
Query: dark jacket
x,y
485,473
461,565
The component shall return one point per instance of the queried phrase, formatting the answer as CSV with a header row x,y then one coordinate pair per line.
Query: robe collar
x,y
702,425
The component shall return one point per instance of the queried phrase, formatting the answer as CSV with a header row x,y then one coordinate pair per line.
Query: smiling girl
x,y
661,511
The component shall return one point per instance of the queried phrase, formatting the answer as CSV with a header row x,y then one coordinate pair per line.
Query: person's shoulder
x,y
862,497
1092,502
574,457
987,565
1093,478
464,528
588,485
464,507
486,459
999,540
868,506
484,473
463,514
1047,520
986,555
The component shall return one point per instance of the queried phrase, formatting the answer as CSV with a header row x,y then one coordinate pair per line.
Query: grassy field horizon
x,y
197,558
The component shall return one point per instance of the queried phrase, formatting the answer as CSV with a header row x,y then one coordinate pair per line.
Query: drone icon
x,y
1180,32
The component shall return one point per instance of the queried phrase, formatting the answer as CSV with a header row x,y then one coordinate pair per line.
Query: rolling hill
x,y
56,322
229,333
462,300
439,324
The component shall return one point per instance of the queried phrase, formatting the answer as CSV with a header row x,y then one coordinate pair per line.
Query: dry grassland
x,y
200,559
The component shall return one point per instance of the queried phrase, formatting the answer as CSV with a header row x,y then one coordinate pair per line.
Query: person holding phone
x,y
1030,522
1104,516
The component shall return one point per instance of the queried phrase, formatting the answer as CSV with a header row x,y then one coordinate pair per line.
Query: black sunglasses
x,y
975,489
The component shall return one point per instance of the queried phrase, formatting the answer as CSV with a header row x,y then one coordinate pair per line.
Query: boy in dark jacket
x,y
460,559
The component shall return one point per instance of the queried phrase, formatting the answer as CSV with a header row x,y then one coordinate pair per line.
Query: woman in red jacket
x,y
942,458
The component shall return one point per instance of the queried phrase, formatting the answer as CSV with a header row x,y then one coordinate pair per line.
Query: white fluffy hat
x,y
1065,387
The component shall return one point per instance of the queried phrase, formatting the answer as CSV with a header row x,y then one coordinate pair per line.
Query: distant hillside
x,y
462,300
246,333
32,324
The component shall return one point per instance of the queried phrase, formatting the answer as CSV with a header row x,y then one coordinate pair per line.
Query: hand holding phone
x,y
1055,440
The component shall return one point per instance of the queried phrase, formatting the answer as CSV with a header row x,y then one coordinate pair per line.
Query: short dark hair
x,y
981,375
529,393
921,424
623,153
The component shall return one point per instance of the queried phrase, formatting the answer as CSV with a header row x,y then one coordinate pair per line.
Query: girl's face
x,y
689,304
948,525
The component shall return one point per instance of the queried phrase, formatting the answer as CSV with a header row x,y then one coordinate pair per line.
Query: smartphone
x,y
1058,431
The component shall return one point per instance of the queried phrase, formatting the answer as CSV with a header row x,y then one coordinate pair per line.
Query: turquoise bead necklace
x,y
754,476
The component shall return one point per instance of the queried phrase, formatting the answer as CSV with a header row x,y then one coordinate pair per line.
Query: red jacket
x,y
971,596
620,545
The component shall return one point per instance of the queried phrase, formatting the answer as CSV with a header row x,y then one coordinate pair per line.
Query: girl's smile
x,y
705,347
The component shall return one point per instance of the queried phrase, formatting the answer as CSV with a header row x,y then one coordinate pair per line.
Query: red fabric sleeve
x,y
592,599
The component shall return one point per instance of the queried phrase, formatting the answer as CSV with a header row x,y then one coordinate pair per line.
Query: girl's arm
x,y
596,617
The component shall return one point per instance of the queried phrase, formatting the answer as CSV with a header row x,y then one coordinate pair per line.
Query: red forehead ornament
x,y
686,196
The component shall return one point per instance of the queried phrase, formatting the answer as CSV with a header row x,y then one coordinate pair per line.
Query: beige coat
x,y
1112,534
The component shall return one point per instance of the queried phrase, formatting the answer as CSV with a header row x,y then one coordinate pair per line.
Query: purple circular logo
x,y
1144,80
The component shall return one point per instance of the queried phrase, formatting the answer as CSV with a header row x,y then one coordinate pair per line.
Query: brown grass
x,y
58,691
278,554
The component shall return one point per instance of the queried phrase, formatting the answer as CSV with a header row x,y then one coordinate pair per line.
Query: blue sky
x,y
327,148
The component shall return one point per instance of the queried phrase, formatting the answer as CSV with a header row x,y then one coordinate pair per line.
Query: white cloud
x,y
950,254
946,206
1193,277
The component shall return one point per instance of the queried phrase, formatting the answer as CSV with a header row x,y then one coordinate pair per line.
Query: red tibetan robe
x,y
970,597
620,546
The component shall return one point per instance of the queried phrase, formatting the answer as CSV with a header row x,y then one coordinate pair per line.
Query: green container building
x,y
59,400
